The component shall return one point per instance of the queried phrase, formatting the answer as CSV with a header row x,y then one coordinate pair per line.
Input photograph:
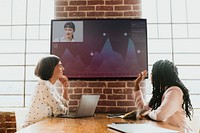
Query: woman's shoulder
x,y
43,84
174,89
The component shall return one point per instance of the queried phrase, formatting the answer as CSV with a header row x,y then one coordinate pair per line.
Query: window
x,y
173,35
25,35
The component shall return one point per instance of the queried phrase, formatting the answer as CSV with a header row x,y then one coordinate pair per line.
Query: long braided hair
x,y
165,75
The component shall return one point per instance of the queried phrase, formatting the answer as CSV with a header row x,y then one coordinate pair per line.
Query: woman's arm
x,y
171,103
55,101
65,93
64,82
139,100
137,93
139,79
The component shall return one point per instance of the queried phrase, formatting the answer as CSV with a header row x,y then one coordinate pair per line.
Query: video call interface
x,y
104,48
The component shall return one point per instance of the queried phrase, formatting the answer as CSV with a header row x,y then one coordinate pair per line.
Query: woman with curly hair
x,y
170,101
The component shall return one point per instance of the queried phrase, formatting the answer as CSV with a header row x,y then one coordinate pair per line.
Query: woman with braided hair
x,y
170,101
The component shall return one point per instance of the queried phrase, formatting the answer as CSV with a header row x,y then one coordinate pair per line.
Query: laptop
x,y
86,108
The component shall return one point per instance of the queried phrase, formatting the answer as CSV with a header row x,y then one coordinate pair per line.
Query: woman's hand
x,y
143,114
139,79
64,81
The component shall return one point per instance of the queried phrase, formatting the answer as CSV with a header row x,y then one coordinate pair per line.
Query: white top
x,y
63,39
45,101
169,111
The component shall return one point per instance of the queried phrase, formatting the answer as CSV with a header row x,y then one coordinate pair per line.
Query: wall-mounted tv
x,y
100,48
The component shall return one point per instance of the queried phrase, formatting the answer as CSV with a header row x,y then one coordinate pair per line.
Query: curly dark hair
x,y
165,75
45,67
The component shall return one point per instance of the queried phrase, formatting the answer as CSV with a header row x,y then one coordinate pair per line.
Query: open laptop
x,y
86,108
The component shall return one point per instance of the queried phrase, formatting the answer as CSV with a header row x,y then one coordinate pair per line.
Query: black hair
x,y
69,25
165,75
45,67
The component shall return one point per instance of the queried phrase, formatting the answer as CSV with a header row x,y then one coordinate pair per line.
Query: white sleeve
x,y
172,101
139,100
55,101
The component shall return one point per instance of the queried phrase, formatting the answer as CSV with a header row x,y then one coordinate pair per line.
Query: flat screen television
x,y
100,48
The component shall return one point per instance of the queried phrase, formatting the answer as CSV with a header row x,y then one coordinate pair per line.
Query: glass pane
x,y
19,41
47,12
163,11
148,85
159,46
152,31
11,101
152,58
30,73
5,32
11,73
189,72
32,59
193,86
187,59
149,10
178,11
30,86
193,9
186,45
18,32
180,31
12,59
195,101
45,32
41,46
33,32
33,13
11,87
164,30
5,12
19,12
27,100
194,30
12,46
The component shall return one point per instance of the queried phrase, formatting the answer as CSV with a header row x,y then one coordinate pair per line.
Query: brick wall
x,y
7,122
116,95
97,8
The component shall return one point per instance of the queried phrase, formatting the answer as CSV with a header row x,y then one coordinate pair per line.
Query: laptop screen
x,y
87,106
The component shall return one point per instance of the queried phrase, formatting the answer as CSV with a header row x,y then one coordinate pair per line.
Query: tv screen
x,y
100,48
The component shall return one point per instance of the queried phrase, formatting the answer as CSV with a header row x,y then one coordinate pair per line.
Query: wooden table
x,y
96,124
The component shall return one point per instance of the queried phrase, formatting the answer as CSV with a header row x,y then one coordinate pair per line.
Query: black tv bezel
x,y
102,78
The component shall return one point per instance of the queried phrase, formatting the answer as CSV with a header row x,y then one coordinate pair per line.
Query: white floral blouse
x,y
46,101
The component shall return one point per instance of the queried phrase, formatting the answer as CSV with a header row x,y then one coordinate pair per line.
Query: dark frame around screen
x,y
101,48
